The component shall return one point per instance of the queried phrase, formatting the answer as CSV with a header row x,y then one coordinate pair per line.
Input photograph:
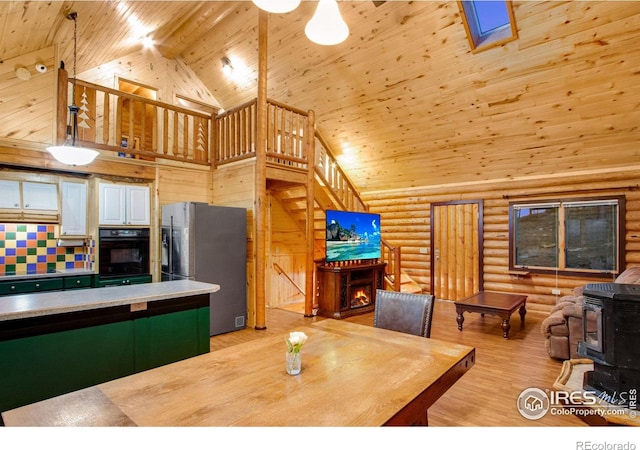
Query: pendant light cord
x,y
73,109
74,16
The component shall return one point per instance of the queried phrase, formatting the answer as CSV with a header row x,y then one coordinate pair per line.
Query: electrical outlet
x,y
142,306
555,291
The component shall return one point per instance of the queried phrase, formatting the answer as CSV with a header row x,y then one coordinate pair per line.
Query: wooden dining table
x,y
352,375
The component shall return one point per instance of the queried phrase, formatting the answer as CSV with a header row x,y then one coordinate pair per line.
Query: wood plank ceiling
x,y
402,101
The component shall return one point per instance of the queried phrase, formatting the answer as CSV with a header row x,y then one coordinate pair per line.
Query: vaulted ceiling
x,y
403,101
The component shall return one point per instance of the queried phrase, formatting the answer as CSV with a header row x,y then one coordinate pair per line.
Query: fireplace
x,y
610,317
348,289
361,296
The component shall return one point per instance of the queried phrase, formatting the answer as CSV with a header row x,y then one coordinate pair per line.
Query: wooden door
x,y
456,249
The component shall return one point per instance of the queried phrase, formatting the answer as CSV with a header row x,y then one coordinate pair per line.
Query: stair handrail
x,y
281,271
392,271
345,193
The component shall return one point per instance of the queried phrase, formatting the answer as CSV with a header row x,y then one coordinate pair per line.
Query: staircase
x,y
288,160
293,200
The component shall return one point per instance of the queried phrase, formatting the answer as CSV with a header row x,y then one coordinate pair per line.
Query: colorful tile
x,y
31,247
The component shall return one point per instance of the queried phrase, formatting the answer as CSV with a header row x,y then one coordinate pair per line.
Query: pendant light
x,y
327,27
68,153
277,6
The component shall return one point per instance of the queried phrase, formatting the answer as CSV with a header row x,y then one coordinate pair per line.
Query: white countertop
x,y
14,307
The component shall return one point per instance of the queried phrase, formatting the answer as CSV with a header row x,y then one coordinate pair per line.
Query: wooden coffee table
x,y
495,303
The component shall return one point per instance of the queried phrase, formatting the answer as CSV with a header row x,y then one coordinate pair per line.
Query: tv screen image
x,y
352,236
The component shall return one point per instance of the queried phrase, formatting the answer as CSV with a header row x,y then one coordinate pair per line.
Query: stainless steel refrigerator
x,y
209,243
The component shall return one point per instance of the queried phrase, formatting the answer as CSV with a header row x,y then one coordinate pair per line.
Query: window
x,y
572,236
488,23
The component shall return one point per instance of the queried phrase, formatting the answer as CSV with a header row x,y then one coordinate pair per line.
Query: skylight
x,y
488,23
490,15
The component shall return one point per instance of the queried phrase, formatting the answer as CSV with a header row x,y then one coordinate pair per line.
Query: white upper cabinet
x,y
111,204
40,196
138,207
74,209
29,196
123,204
10,194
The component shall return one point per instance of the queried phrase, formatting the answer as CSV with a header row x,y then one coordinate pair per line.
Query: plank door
x,y
456,249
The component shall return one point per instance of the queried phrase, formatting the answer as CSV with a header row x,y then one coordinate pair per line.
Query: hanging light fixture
x,y
277,6
327,27
227,67
68,153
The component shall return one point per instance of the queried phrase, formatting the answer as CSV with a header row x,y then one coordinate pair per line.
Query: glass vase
x,y
294,363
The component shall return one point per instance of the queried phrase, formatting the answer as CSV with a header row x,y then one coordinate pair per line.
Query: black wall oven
x,y
123,252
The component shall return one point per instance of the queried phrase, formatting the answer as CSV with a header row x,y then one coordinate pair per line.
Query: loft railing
x,y
236,131
236,135
134,126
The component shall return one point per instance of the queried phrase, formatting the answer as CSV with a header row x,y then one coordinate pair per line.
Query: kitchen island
x,y
57,342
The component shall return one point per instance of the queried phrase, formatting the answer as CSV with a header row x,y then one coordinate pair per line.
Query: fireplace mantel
x,y
349,289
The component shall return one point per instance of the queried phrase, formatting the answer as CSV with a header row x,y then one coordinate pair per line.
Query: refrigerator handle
x,y
171,270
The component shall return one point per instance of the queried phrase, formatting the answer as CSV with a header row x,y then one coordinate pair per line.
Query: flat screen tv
x,y
352,236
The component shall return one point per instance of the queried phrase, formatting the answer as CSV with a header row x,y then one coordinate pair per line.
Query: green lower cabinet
x,y
171,337
79,282
49,356
31,286
122,281
38,367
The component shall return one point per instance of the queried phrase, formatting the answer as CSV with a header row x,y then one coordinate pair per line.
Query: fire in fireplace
x,y
361,296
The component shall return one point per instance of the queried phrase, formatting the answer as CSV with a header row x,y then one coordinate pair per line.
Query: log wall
x,y
405,221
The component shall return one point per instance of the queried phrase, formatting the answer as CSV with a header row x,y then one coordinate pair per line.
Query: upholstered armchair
x,y
563,328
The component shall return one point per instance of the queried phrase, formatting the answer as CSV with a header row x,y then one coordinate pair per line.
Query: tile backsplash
x,y
32,248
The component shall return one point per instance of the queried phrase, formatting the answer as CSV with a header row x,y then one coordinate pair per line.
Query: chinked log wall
x,y
406,218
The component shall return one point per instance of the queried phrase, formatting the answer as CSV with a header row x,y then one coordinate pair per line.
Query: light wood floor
x,y
484,396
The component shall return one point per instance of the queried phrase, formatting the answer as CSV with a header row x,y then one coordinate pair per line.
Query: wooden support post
x,y
61,106
260,196
310,291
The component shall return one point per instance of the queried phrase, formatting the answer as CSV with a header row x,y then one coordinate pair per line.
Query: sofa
x,y
563,328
